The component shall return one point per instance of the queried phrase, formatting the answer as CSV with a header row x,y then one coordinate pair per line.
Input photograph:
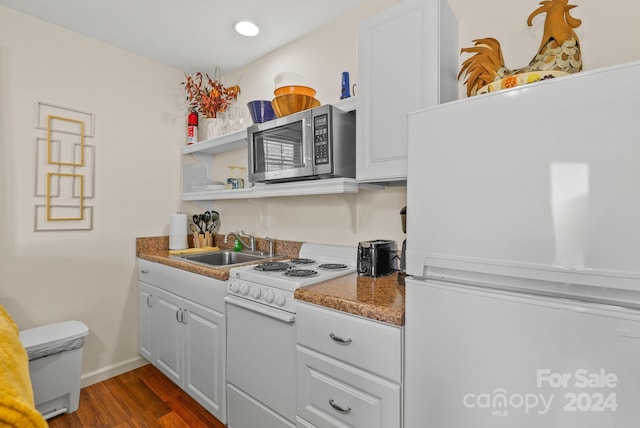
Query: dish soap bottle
x,y
237,245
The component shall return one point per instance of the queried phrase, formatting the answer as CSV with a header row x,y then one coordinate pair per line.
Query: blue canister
x,y
235,183
345,85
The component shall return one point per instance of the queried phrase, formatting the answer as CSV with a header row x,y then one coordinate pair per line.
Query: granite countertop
x,y
155,249
162,256
380,298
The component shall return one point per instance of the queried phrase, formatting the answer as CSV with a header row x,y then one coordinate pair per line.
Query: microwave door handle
x,y
251,155
307,143
251,152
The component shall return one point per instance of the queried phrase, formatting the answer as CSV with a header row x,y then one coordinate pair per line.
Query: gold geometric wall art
x,y
64,168
41,224
44,110
51,122
76,178
42,167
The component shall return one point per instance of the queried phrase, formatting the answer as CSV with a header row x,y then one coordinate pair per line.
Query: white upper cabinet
x,y
407,61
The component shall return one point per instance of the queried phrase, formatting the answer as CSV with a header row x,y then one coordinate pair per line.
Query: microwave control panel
x,y
321,139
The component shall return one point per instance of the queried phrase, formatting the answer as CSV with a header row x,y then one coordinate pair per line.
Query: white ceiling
x,y
190,35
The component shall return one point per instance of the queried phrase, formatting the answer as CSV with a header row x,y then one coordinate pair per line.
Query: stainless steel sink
x,y
223,258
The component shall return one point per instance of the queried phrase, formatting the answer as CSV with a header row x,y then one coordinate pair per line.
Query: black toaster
x,y
375,258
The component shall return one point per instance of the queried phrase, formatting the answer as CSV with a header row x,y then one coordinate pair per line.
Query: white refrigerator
x,y
523,240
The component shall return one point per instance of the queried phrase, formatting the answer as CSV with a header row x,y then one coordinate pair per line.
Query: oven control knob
x,y
244,289
256,292
270,296
234,286
281,300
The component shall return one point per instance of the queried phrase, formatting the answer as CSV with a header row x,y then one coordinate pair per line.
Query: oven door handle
x,y
264,310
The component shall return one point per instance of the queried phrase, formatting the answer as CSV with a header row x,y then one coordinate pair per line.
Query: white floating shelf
x,y
224,143
347,104
214,195
296,188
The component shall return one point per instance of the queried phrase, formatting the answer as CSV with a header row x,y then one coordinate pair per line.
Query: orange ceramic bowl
x,y
302,90
288,104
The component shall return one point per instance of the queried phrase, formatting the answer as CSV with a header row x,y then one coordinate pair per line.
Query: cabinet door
x,y
400,70
204,347
145,320
168,329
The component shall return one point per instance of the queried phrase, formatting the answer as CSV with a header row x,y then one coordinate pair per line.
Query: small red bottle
x,y
192,127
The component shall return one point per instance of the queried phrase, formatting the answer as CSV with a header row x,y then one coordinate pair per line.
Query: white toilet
x,y
55,365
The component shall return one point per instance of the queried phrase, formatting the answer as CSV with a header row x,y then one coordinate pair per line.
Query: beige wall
x,y
85,275
54,276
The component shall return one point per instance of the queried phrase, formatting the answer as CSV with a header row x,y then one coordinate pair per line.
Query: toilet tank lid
x,y
52,334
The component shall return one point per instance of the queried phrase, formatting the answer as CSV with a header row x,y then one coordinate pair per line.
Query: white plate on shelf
x,y
215,185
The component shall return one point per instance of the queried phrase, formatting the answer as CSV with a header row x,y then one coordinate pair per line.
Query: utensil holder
x,y
201,240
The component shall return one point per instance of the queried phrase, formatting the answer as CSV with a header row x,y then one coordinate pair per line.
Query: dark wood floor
x,y
140,398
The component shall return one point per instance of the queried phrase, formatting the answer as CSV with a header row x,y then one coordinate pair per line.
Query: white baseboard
x,y
111,371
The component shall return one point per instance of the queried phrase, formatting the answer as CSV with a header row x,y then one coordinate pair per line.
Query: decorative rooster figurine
x,y
559,50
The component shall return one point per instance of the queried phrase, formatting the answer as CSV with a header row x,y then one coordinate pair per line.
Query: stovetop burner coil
x,y
272,266
299,261
300,272
333,266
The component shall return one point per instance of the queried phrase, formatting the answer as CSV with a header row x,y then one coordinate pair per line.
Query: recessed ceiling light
x,y
247,28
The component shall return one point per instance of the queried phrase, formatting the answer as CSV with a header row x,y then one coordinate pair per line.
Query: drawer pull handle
x,y
340,339
338,408
144,271
150,301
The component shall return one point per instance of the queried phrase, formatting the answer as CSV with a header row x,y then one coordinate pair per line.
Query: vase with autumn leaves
x,y
210,98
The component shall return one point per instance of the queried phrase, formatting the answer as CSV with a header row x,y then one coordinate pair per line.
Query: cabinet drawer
x,y
334,394
208,292
367,344
146,271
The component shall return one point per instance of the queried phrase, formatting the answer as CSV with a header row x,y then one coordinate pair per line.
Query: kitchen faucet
x,y
271,241
238,236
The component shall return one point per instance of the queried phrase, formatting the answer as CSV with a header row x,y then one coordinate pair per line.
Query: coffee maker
x,y
403,256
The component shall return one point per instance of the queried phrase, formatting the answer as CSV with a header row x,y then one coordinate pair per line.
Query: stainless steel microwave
x,y
315,143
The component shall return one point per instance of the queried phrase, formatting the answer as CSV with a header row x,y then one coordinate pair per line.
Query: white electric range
x,y
273,283
261,338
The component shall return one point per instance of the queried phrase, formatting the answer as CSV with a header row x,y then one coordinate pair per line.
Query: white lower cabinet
x,y
332,394
166,335
145,320
204,376
348,370
185,340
